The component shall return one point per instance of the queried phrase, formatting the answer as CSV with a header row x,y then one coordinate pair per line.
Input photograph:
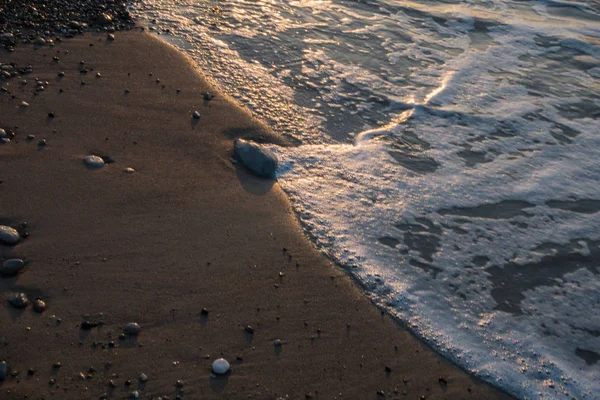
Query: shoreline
x,y
187,230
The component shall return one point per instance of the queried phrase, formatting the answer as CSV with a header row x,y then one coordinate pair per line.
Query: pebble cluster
x,y
37,22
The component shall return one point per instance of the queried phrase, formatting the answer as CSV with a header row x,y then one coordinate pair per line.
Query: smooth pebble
x,y
8,235
93,161
132,328
220,366
11,267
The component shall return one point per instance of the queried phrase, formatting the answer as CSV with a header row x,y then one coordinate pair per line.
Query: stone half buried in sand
x,y
259,160
93,162
220,366
8,235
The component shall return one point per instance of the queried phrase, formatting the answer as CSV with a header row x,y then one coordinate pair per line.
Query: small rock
x,y
204,311
11,267
220,366
98,75
277,343
143,378
3,133
134,395
208,96
261,161
196,115
39,305
87,325
3,370
132,328
40,41
179,383
61,74
42,143
129,170
18,300
51,115
24,104
111,37
249,329
30,137
93,161
104,19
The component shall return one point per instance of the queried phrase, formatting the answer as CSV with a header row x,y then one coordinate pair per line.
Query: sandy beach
x,y
187,230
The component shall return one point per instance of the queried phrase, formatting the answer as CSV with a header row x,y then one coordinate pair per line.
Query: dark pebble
x,y
18,300
87,325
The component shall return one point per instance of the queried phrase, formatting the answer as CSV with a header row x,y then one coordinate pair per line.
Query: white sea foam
x,y
449,162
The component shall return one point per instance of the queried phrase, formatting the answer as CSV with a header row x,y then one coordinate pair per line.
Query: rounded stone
x,y
129,170
93,162
132,328
11,267
8,235
18,300
260,160
220,366
39,305
196,115
143,378
104,19
40,41
3,133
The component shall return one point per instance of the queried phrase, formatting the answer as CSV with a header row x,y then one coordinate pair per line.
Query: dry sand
x,y
187,230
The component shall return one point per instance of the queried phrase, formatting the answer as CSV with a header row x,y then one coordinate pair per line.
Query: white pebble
x,y
93,161
220,366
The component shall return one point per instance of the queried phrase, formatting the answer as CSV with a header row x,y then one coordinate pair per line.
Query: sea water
x,y
448,157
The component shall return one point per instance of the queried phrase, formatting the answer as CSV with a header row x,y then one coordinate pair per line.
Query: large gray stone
x,y
261,161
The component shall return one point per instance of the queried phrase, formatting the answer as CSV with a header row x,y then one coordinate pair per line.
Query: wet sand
x,y
187,230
